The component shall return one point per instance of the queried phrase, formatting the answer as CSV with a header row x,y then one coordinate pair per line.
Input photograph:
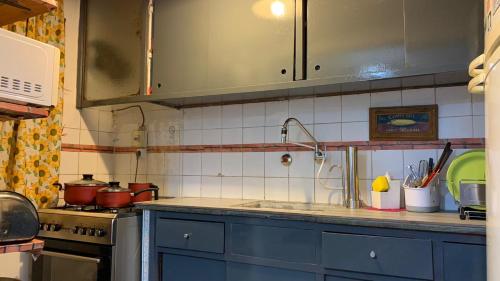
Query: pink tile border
x,y
462,143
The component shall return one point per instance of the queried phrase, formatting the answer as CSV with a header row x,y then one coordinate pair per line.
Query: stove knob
x,y
42,225
100,232
75,230
46,227
55,227
91,232
82,231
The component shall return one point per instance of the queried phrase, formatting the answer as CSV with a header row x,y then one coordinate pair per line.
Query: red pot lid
x,y
87,180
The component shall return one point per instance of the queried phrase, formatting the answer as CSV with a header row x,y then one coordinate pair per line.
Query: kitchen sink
x,y
296,206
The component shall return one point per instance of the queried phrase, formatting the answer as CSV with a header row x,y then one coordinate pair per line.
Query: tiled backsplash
x,y
260,175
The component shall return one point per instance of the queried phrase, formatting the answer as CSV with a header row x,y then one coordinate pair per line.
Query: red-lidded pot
x,y
145,196
114,196
82,192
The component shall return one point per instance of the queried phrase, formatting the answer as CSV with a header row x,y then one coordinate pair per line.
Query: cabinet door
x,y
183,268
442,35
248,272
464,262
220,44
350,40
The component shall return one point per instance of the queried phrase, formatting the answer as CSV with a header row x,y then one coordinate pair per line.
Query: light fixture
x,y
278,8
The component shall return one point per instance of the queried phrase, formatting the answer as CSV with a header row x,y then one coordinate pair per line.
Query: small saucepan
x,y
146,196
115,196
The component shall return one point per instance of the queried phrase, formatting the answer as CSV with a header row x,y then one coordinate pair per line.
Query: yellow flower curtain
x,y
30,150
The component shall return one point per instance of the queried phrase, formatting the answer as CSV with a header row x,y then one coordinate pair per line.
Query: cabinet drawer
x,y
190,235
278,243
463,262
380,255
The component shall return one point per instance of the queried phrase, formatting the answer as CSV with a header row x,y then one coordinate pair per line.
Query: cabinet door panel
x,y
219,44
464,262
247,272
354,40
183,268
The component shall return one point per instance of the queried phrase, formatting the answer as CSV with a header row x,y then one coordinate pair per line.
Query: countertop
x,y
437,222
34,246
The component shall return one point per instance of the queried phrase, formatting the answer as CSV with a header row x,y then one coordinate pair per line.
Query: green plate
x,y
470,166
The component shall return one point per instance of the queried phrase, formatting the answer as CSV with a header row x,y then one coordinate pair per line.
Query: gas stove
x,y
84,223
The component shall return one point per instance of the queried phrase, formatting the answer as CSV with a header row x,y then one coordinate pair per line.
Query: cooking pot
x,y
114,196
82,192
145,196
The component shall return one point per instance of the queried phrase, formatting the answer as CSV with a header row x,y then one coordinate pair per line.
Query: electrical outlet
x,y
139,138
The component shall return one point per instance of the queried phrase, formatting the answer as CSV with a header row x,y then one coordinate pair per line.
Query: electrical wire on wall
x,y
142,127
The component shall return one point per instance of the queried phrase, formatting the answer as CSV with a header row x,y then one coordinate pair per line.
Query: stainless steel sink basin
x,y
296,206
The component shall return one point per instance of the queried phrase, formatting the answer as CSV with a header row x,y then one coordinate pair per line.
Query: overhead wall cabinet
x,y
16,10
178,52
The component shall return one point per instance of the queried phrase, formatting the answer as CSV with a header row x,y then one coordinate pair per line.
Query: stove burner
x,y
95,209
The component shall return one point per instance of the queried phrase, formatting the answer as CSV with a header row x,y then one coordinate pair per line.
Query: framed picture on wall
x,y
404,123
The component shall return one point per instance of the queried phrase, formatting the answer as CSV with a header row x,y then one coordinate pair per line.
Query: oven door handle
x,y
69,256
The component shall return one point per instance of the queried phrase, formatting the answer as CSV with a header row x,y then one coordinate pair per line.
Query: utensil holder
x,y
423,200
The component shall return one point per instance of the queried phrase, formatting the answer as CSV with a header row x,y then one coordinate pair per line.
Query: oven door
x,y
62,261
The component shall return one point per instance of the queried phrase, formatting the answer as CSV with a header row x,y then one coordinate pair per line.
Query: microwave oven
x,y
29,70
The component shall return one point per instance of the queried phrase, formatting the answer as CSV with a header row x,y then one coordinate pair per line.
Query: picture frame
x,y
404,123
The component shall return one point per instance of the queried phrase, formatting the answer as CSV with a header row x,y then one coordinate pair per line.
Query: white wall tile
x,y
381,99
253,164
276,189
89,137
232,136
296,134
191,137
365,195
254,114
105,163
253,135
70,136
192,118
276,113
253,188
478,125
301,190
453,101
90,119
211,164
105,121
210,187
455,127
69,163
333,158
87,163
212,117
477,104
211,137
106,138
388,161
191,186
123,164
191,164
173,164
232,164
273,134
328,132
158,180
327,109
422,96
273,165
364,164
303,110
302,164
232,116
232,187
412,157
355,131
156,162
355,107
172,186
332,194
71,116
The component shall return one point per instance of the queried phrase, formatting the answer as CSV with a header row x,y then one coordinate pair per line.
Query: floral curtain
x,y
30,150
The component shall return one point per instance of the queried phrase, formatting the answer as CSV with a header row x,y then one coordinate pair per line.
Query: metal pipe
x,y
351,180
319,155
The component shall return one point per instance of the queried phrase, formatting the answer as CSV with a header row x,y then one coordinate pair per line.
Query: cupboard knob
x,y
283,71
373,254
187,236
317,67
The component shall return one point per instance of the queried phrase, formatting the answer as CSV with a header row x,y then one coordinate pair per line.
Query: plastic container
x,y
423,200
390,199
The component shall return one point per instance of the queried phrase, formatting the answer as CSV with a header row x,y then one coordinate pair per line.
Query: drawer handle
x,y
187,235
373,255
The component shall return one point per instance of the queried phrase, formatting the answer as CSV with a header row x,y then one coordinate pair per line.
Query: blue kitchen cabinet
x,y
191,247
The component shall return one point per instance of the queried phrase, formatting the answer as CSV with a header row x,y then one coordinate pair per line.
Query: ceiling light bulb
x,y
278,8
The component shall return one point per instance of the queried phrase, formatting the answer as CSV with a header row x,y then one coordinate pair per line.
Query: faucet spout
x,y
319,155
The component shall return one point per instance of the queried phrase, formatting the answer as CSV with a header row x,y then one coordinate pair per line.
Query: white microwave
x,y
29,70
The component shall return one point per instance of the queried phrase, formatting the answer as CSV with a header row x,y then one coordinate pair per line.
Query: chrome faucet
x,y
319,155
